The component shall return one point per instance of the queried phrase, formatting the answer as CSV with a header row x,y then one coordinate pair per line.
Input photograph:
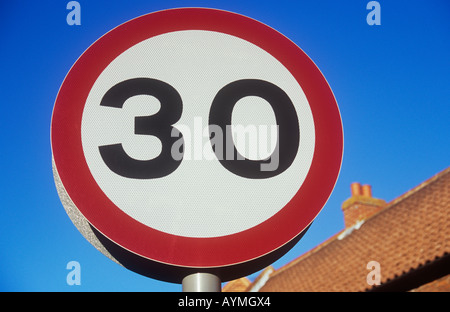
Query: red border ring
x,y
149,243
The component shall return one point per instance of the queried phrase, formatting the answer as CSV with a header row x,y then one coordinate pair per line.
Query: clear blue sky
x,y
391,83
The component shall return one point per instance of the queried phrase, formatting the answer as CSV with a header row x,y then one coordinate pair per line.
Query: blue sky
x,y
391,82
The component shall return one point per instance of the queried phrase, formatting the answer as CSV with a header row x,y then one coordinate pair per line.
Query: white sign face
x,y
200,198
195,138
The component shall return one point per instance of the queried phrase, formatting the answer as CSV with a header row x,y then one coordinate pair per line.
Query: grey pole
x,y
201,282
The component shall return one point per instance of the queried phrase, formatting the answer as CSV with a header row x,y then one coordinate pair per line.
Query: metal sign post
x,y
201,282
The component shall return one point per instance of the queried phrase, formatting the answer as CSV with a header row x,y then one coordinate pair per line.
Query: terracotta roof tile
x,y
410,232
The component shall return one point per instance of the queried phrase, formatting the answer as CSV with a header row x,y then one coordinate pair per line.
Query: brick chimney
x,y
361,205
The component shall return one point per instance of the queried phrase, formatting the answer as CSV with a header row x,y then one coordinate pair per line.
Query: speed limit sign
x,y
194,139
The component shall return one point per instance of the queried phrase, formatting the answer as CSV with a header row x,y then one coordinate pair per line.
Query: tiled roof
x,y
411,232
237,285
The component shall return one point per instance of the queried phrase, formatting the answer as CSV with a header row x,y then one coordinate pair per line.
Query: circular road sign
x,y
194,140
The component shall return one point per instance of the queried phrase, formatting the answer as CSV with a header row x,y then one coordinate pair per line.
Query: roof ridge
x,y
417,188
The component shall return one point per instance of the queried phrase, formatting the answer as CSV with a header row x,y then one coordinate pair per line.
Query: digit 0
x,y
286,119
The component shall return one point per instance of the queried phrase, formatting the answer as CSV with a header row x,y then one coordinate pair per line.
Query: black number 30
x,y
160,125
